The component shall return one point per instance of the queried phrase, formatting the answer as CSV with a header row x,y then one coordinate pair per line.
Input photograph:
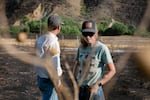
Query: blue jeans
x,y
99,95
84,94
47,89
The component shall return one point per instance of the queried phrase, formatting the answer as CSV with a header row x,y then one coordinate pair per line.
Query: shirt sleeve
x,y
56,57
106,56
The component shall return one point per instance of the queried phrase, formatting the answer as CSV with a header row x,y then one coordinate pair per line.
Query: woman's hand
x,y
94,88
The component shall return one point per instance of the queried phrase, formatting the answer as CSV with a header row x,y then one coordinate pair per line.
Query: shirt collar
x,y
53,35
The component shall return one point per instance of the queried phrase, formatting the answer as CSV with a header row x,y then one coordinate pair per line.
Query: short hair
x,y
54,21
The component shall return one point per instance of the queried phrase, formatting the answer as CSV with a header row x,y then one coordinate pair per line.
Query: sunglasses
x,y
90,34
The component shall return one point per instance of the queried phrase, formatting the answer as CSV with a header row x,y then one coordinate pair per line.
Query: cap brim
x,y
88,30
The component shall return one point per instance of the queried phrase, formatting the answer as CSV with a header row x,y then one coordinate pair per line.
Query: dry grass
x,y
69,43
113,42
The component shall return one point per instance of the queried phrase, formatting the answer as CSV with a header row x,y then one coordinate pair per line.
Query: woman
x,y
91,59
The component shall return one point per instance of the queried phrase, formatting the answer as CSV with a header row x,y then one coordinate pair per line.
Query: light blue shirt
x,y
100,57
43,44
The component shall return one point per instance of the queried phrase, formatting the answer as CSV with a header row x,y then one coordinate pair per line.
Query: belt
x,y
43,78
85,87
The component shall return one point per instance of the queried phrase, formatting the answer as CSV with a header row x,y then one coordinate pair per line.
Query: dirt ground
x,y
18,81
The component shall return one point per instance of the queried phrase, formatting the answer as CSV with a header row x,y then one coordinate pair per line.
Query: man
x,y
47,46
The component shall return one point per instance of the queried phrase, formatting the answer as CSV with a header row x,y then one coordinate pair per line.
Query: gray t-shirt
x,y
99,58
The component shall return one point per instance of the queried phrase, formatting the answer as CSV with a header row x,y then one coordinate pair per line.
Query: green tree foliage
x,y
14,30
70,26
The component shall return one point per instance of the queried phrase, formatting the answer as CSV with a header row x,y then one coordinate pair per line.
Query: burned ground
x,y
18,81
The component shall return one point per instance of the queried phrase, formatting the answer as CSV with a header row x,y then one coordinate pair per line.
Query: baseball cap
x,y
88,26
54,20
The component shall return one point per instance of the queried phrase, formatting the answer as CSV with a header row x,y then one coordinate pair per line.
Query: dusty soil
x,y
18,81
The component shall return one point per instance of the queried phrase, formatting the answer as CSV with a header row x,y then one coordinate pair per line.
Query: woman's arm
x,y
108,76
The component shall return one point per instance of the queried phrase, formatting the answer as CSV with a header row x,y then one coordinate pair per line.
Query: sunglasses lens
x,y
85,34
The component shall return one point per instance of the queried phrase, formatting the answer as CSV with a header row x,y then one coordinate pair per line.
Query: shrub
x,y
70,27
14,30
101,28
117,28
25,20
70,30
131,29
43,27
34,26
103,25
120,28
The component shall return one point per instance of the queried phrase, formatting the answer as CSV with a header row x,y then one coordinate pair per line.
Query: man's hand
x,y
60,87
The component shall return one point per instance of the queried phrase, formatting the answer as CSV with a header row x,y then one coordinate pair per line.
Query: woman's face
x,y
89,37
